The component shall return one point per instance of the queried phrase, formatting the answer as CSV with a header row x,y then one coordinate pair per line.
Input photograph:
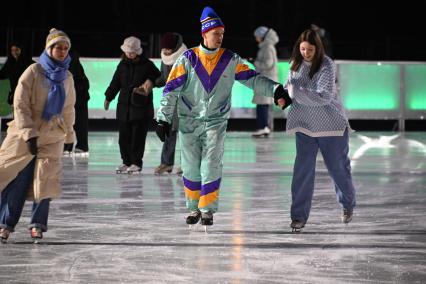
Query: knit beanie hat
x,y
169,41
210,20
54,37
132,44
260,32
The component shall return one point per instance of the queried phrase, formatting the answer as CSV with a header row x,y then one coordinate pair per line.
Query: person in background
x,y
81,126
16,63
172,47
134,80
31,154
200,85
325,38
319,121
266,64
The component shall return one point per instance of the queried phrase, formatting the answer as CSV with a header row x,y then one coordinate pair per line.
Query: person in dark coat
x,y
81,126
172,47
16,63
134,79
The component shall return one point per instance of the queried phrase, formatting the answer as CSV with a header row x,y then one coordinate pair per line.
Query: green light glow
x,y
370,86
415,87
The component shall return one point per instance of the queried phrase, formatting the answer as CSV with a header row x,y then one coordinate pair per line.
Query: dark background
x,y
359,30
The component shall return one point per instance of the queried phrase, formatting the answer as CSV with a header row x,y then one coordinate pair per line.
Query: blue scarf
x,y
56,73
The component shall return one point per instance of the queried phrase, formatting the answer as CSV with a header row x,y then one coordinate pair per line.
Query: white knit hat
x,y
132,44
56,36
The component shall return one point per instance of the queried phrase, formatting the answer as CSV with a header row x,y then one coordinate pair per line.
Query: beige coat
x,y
29,100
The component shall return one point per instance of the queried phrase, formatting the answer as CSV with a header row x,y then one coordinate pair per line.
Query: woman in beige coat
x,y
30,156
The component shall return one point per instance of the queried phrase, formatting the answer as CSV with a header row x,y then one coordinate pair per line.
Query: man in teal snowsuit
x,y
200,83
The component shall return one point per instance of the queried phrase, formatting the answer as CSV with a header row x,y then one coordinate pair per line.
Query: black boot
x,y
193,217
207,219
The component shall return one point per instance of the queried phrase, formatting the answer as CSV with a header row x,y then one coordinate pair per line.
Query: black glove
x,y
162,130
32,145
68,147
280,93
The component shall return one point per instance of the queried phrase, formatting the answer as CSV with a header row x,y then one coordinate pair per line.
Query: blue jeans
x,y
13,199
168,152
262,112
335,151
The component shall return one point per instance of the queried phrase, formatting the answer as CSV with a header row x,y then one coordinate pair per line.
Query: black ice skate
x,y
4,235
206,220
193,218
347,215
297,225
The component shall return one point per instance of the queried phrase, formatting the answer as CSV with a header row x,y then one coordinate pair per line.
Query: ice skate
x,y
36,234
134,170
4,235
206,220
121,169
179,171
347,215
193,218
297,226
80,153
161,169
262,132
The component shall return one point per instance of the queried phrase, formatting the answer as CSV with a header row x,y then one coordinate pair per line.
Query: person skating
x,y
200,85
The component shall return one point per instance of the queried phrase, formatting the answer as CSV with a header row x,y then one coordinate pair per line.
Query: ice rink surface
x,y
110,228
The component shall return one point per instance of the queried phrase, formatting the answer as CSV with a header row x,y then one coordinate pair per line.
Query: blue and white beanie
x,y
261,32
210,20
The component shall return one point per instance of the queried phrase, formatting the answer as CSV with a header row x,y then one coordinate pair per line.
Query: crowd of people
x,y
51,119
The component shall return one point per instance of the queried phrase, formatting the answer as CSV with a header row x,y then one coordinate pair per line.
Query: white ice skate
x,y
133,170
262,132
121,169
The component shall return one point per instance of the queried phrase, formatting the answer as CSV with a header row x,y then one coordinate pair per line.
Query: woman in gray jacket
x,y
266,64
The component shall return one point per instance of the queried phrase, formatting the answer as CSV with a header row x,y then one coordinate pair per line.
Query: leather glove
x,y
162,130
68,147
32,145
280,93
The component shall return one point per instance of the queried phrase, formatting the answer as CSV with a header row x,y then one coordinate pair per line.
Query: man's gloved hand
x,y
162,130
68,147
32,145
280,95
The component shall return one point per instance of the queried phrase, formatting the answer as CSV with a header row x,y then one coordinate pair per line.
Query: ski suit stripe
x,y
177,78
243,72
209,67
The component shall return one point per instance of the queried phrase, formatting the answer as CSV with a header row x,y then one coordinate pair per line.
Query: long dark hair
x,y
296,57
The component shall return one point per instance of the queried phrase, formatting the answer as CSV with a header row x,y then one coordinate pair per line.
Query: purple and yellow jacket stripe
x,y
200,84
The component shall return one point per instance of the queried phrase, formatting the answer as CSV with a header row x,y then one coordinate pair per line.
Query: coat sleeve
x,y
114,86
322,94
69,113
258,83
176,82
22,105
153,73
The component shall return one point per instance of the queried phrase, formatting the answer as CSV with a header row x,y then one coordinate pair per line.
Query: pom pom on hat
x,y
169,41
132,44
210,20
54,37
261,31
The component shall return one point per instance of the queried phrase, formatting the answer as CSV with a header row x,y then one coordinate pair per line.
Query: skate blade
x,y
134,173
296,230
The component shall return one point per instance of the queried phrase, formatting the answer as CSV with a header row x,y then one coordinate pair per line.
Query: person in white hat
x,y
133,80
30,156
